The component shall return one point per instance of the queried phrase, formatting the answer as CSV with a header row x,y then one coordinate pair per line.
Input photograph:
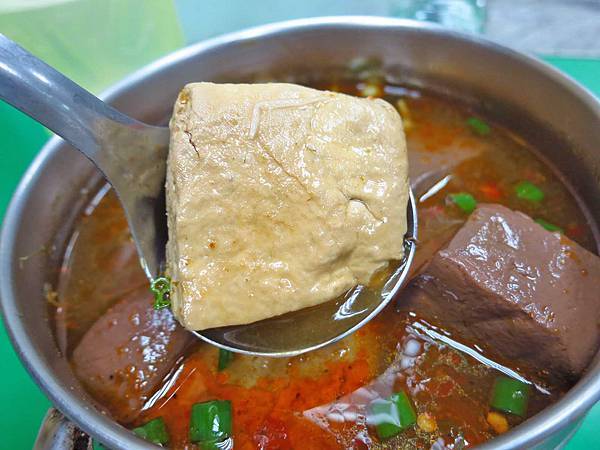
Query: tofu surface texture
x,y
279,197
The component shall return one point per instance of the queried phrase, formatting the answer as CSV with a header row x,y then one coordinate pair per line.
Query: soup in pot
x,y
411,378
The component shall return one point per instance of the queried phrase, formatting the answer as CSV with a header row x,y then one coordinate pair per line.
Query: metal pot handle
x,y
59,433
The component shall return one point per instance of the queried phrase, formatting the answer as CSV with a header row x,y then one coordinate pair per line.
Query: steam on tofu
x,y
279,197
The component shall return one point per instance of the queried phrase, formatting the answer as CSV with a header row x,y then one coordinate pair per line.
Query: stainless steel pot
x,y
556,114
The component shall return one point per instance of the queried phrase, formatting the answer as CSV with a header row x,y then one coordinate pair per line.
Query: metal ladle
x,y
132,156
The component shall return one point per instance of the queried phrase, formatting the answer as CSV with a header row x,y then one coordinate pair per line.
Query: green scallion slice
x,y
465,201
225,358
210,422
526,190
154,431
392,415
161,288
510,395
549,226
478,126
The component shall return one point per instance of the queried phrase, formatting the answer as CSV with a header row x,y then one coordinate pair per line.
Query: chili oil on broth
x,y
318,400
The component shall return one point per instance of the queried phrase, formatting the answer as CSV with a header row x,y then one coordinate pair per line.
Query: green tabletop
x,y
24,404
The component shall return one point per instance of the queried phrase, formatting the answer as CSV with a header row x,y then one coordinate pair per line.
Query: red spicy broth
x,y
321,400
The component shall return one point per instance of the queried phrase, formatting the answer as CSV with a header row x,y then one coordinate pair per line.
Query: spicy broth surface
x,y
320,400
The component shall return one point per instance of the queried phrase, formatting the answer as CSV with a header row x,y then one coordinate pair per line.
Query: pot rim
x,y
568,409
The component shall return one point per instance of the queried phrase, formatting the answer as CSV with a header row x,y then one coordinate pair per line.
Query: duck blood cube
x,y
125,355
503,280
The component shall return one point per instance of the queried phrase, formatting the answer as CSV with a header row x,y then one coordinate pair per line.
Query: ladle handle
x,y
31,85
131,154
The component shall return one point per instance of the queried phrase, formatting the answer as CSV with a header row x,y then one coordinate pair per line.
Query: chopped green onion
x,y
464,201
154,431
225,358
510,395
526,190
392,415
549,226
210,422
161,288
478,126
